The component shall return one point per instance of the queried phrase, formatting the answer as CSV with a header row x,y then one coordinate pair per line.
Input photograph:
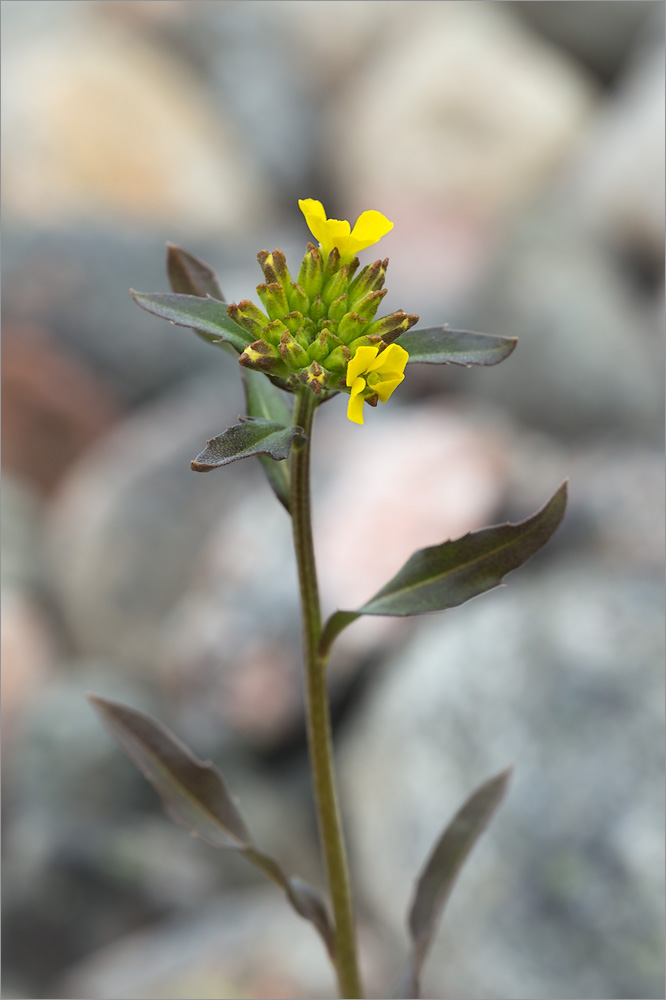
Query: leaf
x,y
438,877
267,401
207,316
194,794
252,436
190,276
444,576
437,345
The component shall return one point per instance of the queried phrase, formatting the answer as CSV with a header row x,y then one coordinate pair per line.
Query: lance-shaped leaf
x,y
188,275
194,794
435,882
252,436
437,345
444,576
266,401
207,316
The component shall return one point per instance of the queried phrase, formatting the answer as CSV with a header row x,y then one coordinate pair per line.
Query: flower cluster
x,y
321,330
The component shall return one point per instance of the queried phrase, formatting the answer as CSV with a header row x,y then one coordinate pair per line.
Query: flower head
x,y
369,229
372,375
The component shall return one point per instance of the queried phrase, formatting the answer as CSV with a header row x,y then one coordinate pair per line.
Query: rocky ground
x,y
518,149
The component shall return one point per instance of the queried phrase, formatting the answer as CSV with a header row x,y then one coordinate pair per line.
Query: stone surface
x,y
560,675
126,131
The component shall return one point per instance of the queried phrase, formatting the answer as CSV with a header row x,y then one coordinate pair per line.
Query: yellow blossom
x,y
370,373
369,229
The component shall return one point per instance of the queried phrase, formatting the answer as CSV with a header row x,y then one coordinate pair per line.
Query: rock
x,y
53,406
105,125
493,111
246,945
557,675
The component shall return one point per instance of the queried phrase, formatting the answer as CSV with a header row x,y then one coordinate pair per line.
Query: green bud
x,y
322,346
297,298
272,332
332,265
311,274
367,306
338,359
293,322
351,326
293,355
338,308
274,299
390,327
317,309
263,357
370,279
248,316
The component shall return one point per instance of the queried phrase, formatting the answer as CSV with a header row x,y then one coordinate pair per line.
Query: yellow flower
x,y
370,373
369,228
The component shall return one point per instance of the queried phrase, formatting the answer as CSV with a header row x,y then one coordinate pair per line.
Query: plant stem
x,y
317,708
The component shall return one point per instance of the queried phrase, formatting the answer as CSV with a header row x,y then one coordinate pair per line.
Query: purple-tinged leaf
x,y
252,436
206,316
444,576
435,882
190,276
194,794
437,345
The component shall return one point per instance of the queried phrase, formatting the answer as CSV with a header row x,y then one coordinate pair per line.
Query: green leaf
x,y
268,402
194,794
190,276
435,882
437,345
252,436
444,576
207,316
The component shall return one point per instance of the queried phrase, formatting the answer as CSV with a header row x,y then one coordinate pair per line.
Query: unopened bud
x,y
274,299
367,306
332,264
292,353
311,274
314,377
390,327
338,308
351,326
370,279
298,300
263,357
248,316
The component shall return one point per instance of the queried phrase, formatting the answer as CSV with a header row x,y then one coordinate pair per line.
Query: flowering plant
x,y
316,336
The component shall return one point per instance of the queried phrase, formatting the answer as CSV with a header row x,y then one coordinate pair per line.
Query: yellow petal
x,y
355,405
391,362
361,362
386,387
369,229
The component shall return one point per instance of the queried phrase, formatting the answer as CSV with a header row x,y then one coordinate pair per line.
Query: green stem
x,y
317,708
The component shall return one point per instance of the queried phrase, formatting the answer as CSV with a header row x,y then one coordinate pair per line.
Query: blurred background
x,y
519,150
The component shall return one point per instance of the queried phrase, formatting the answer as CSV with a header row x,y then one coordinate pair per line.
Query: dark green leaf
x,y
252,436
437,345
190,276
444,576
435,882
207,316
267,401
194,794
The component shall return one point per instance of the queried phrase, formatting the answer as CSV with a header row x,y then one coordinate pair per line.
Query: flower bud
x,y
370,279
390,327
292,353
338,308
297,298
351,326
293,322
369,304
338,359
263,357
248,316
332,265
274,299
314,377
311,274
